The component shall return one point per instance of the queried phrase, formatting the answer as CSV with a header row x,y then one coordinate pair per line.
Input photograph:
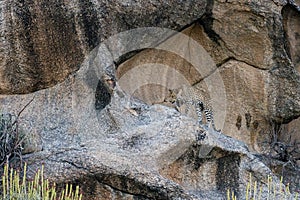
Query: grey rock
x,y
128,148
43,42
124,148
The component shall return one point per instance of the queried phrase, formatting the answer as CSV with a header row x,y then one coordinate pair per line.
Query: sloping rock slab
x,y
128,148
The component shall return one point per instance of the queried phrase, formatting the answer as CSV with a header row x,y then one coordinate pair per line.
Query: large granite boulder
x,y
43,42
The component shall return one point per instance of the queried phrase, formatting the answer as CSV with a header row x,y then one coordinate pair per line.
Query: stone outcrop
x,y
247,44
291,19
87,128
44,42
130,149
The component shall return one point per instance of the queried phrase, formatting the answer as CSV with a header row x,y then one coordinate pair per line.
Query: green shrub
x,y
15,187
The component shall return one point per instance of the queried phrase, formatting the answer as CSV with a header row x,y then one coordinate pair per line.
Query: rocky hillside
x,y
105,79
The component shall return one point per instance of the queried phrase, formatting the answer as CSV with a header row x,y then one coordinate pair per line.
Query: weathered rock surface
x,y
117,147
43,42
130,149
291,19
246,41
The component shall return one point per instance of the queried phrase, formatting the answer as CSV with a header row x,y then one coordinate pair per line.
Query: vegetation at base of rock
x,y
254,191
16,187
10,140
281,145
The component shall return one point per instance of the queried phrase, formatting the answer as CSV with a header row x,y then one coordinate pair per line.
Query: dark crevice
x,y
139,196
276,35
89,183
207,22
225,61
190,24
228,166
227,176
102,96
219,65
242,61
206,76
124,57
72,164
125,184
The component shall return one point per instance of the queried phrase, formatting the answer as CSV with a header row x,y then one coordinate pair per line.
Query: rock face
x,y
291,18
88,129
43,42
130,149
247,45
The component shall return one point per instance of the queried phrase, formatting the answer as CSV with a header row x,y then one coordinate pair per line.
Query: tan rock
x,y
247,99
244,33
246,82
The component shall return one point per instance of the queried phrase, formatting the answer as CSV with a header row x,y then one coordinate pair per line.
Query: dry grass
x,y
16,187
257,191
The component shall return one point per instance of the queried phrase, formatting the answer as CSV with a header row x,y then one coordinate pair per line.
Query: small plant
x,y
255,192
15,187
11,139
281,147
